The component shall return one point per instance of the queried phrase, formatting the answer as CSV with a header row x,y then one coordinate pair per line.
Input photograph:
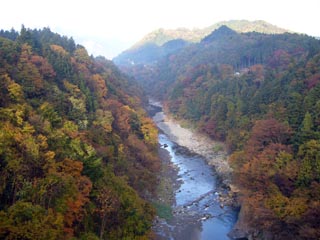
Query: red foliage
x,y
209,128
280,58
44,66
266,132
75,212
99,86
313,81
258,72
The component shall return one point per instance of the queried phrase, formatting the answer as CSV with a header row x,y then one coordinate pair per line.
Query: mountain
x,y
243,50
149,49
244,26
78,154
149,53
161,36
260,94
219,34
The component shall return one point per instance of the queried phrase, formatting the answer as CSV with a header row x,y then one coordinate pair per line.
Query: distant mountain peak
x,y
161,36
243,26
224,29
153,45
221,32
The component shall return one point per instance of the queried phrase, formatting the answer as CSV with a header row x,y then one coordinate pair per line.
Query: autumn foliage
x,y
78,155
260,94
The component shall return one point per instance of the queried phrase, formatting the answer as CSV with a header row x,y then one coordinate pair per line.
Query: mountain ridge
x,y
221,32
161,35
138,53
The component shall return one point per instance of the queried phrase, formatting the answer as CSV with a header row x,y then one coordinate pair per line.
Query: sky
x,y
108,27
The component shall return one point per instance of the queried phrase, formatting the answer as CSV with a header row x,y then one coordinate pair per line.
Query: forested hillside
x,y
259,93
78,155
159,43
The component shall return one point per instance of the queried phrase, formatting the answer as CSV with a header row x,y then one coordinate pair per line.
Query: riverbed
x,y
198,198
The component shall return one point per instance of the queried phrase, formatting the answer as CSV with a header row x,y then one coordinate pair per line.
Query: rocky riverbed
x,y
214,152
200,203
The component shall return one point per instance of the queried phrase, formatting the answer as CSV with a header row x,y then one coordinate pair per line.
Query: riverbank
x,y
197,191
214,152
197,206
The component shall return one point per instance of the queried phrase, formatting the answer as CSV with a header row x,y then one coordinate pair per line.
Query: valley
x,y
197,134
202,207
258,93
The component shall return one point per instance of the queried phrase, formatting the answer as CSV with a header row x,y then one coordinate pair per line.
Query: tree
x,y
104,119
44,67
28,75
266,132
306,131
70,165
309,154
100,88
26,221
107,205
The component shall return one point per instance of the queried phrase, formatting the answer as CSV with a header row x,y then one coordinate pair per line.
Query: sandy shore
x,y
213,151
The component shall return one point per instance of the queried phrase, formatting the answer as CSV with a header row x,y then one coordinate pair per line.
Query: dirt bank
x,y
213,151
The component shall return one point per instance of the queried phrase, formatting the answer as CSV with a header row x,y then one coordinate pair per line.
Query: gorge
x,y
232,151
259,94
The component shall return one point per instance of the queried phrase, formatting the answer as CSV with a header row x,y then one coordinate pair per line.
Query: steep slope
x,y
78,155
259,93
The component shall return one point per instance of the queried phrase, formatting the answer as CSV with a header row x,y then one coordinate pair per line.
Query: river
x,y
198,197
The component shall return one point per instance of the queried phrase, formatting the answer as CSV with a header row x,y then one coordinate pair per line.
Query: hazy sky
x,y
107,27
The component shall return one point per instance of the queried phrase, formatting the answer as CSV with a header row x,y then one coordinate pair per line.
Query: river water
x,y
198,212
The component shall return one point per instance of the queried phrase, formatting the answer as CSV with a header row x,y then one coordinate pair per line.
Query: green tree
x,y
27,221
307,124
309,154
